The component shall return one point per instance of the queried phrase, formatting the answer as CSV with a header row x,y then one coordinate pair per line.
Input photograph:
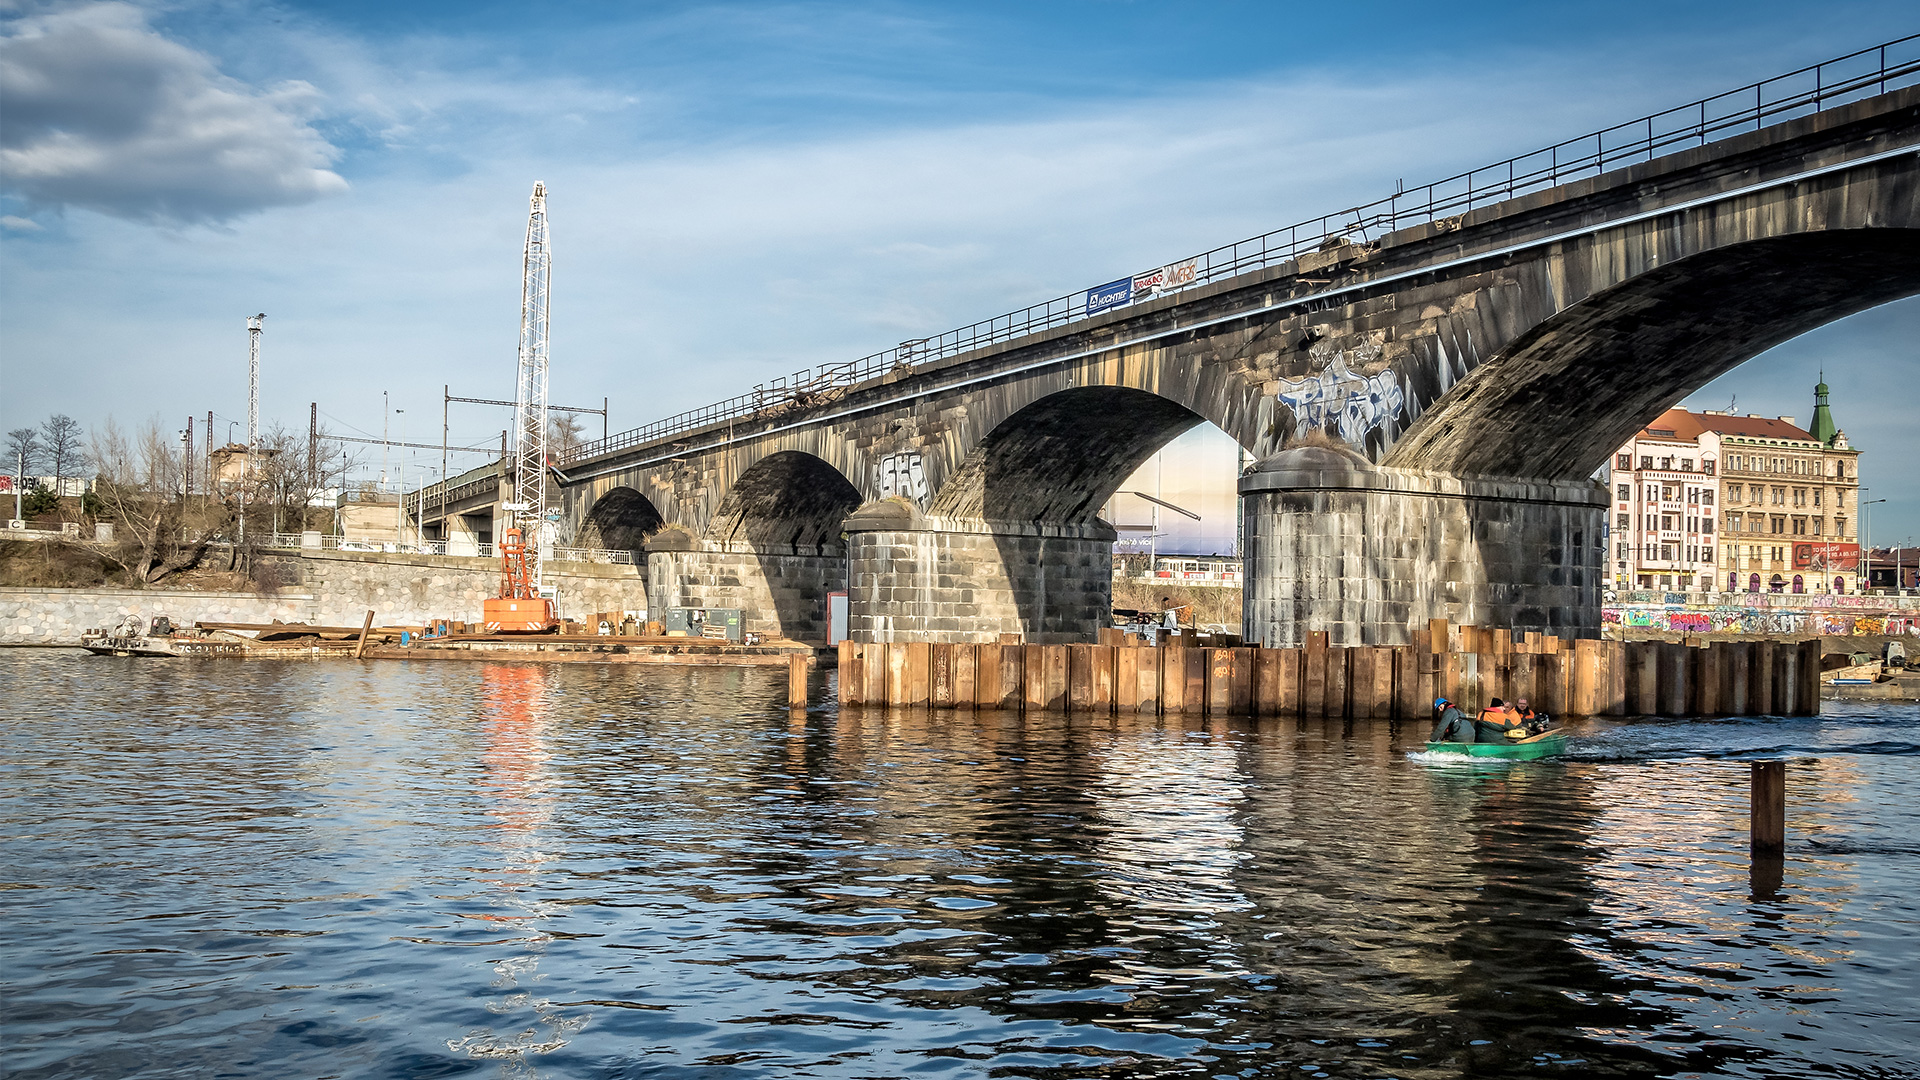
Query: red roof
x,y
1681,424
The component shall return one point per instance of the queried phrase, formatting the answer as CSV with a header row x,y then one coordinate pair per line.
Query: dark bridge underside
x,y
785,499
1565,394
622,520
1059,459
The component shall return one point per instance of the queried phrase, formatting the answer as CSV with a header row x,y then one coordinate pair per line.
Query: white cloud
x,y
19,224
104,113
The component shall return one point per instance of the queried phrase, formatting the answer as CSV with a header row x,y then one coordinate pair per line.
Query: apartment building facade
x,y
1713,501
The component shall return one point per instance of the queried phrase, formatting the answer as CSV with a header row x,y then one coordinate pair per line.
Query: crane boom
x,y
530,396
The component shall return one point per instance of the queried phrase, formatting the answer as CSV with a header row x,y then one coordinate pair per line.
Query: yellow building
x,y
1712,501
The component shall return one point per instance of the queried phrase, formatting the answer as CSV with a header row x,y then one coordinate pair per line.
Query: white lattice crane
x,y
520,606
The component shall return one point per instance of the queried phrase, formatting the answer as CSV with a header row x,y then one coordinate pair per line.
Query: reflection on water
x,y
386,869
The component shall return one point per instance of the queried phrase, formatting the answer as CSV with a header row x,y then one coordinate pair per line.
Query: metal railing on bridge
x,y
1835,82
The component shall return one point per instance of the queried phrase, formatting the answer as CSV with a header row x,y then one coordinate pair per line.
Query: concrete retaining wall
x,y
326,588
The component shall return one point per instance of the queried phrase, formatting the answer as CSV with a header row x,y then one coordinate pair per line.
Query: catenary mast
x,y
530,397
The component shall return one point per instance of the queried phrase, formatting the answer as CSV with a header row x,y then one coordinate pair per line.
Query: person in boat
x,y
1534,722
1497,723
1449,723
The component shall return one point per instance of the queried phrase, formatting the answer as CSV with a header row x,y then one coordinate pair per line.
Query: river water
x,y
393,869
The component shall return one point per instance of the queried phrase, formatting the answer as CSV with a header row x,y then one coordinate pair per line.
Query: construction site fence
x,y
1466,665
1857,75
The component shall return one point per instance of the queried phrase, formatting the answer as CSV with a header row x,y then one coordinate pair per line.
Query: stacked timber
x,y
1466,664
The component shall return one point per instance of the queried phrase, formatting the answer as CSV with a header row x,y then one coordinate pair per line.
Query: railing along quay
x,y
1839,81
294,542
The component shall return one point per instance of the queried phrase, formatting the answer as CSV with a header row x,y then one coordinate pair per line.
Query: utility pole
x,y
313,444
212,489
446,534
186,461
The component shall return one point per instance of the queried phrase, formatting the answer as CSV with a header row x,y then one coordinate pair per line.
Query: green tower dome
x,y
1822,428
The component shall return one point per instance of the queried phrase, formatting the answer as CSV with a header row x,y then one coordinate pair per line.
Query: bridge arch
x,y
620,520
1057,460
789,500
1565,393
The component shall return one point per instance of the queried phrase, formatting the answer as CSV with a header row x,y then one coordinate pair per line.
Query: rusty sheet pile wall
x,y
1469,665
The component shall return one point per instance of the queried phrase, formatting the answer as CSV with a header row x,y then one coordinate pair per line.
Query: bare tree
x,y
23,451
291,475
61,443
564,433
158,531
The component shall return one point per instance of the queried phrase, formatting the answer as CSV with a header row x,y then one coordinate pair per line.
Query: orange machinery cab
x,y
521,616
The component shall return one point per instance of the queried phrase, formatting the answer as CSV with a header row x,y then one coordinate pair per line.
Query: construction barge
x,y
597,648
159,637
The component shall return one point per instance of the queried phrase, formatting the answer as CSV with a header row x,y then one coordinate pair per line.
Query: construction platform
x,y
597,649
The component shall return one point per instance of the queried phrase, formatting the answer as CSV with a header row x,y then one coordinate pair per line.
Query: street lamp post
x,y
1866,534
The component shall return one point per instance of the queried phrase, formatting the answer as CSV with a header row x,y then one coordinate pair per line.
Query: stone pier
x,y
918,578
781,590
1367,553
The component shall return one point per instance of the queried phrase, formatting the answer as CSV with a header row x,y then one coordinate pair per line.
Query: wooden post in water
x,y
1149,666
1767,824
360,647
853,681
797,681
986,676
963,675
1809,672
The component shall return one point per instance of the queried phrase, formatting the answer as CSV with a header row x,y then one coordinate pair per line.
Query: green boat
x,y
1546,744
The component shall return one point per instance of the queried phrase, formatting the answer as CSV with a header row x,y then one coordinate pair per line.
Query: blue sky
x,y
743,190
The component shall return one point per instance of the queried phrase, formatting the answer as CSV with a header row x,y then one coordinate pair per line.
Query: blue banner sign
x,y
1112,294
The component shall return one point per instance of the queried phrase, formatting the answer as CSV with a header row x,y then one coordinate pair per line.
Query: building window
x,y
1693,496
1779,496
1706,524
1816,526
1839,584
1753,582
1623,524
1666,522
1706,555
1776,583
1646,461
1707,467
1799,526
1623,461
1666,552
1686,464
1625,493
1799,584
1840,528
1816,496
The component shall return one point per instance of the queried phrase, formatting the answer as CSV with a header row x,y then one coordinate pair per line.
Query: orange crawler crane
x,y
519,608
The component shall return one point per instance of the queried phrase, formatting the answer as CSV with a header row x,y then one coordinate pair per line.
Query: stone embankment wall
x,y
324,588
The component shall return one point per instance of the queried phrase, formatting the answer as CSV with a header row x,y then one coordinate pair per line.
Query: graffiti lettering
x,y
901,474
1356,405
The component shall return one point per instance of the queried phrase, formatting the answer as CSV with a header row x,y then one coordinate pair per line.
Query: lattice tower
x,y
530,398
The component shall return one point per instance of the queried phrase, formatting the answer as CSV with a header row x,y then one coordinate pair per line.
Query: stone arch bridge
x,y
1426,406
